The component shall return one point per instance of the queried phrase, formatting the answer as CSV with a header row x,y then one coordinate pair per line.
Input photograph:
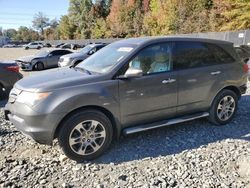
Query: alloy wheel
x,y
226,108
87,137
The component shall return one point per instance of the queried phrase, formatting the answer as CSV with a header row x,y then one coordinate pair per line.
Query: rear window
x,y
192,55
221,55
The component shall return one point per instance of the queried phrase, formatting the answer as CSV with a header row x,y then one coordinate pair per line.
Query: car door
x,y
152,96
198,74
54,56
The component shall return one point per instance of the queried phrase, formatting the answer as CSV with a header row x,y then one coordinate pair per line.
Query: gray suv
x,y
129,86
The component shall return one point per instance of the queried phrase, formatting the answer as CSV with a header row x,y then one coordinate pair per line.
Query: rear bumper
x,y
39,127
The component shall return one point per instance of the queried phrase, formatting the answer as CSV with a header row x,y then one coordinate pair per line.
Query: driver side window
x,y
153,59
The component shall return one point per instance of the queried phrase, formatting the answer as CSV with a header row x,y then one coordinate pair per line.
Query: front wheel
x,y
224,107
39,66
85,135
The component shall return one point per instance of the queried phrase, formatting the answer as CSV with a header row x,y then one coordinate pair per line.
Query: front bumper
x,y
64,63
25,66
40,127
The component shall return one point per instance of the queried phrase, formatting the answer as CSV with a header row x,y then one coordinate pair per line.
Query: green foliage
x,y
26,34
66,28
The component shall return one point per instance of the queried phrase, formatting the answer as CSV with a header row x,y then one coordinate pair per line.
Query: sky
x,y
16,13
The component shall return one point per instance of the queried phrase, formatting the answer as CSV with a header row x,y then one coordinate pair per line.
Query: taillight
x,y
246,68
12,68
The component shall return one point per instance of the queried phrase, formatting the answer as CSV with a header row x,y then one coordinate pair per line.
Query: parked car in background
x,y
77,57
129,86
33,45
246,47
71,46
59,45
244,54
9,75
47,45
10,46
42,60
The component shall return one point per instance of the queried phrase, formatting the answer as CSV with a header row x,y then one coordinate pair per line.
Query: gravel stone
x,y
192,154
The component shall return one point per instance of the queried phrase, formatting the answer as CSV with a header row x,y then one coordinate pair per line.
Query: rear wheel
x,y
224,107
39,66
85,135
39,47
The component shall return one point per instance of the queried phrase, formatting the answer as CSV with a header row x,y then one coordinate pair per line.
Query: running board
x,y
164,123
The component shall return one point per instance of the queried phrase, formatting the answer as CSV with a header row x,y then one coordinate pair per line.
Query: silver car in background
x,y
77,57
42,60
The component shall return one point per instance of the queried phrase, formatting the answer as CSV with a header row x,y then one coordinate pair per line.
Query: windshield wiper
x,y
81,69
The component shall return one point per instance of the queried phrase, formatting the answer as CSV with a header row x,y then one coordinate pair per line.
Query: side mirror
x,y
132,73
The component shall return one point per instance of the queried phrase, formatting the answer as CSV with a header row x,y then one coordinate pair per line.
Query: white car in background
x,y
33,45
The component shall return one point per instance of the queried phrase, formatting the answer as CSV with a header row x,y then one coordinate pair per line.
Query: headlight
x,y
31,98
68,59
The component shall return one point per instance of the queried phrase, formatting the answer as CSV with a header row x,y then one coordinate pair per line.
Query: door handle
x,y
215,73
168,81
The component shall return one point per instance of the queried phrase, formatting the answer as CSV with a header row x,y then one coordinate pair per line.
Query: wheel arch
x,y
115,124
233,88
36,62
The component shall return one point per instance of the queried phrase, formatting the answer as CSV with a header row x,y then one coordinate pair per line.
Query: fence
x,y
237,37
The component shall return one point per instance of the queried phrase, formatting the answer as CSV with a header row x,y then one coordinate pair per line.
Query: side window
x,y
221,55
58,52
99,47
64,52
153,59
191,55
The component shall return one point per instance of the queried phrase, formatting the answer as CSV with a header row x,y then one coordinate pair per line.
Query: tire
x,y
26,48
221,112
39,47
84,145
39,66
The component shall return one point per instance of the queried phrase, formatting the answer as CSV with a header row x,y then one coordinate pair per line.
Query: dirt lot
x,y
7,54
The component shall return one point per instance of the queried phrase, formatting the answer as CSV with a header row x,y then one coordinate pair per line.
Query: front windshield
x,y
106,58
42,53
86,49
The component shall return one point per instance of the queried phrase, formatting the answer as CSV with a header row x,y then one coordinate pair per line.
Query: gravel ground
x,y
193,154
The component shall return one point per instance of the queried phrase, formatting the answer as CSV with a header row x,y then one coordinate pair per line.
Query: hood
x,y
75,55
28,59
55,79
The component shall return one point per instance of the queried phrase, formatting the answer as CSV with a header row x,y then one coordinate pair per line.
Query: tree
x,y
11,33
79,16
235,15
26,34
40,21
66,29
